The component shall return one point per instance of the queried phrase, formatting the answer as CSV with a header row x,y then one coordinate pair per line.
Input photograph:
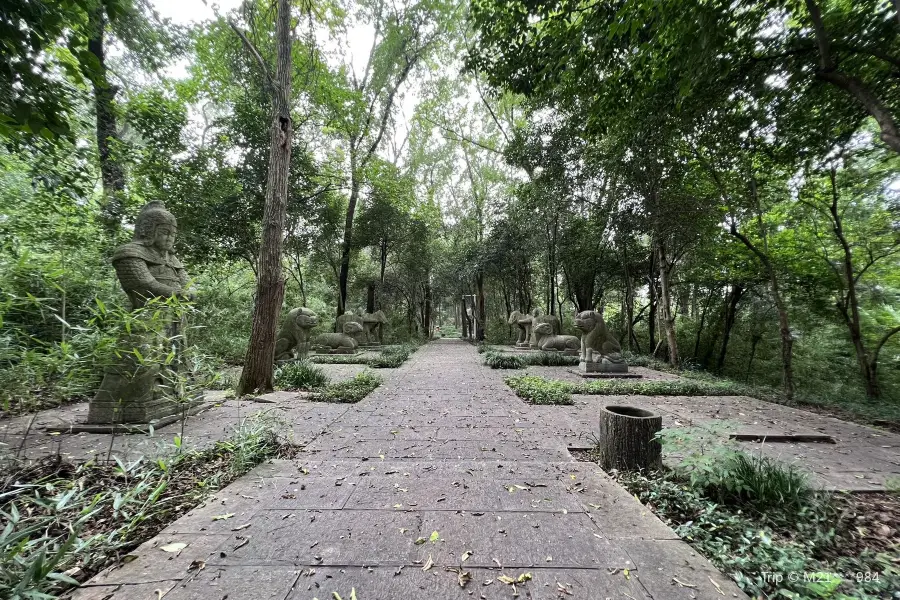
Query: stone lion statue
x,y
341,343
538,318
547,340
598,346
293,336
523,322
373,323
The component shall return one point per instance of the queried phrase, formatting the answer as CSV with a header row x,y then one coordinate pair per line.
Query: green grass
x,y
350,391
508,360
503,360
64,522
537,390
300,376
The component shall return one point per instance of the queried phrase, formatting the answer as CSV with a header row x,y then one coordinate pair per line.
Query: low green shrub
x,y
392,356
537,390
503,360
550,359
750,547
350,391
64,522
300,375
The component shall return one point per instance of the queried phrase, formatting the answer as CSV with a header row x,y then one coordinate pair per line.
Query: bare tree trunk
x,y
347,243
370,298
731,309
111,173
666,303
848,304
426,321
479,307
259,363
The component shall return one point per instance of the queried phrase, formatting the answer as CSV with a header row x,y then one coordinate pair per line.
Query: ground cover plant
x,y
508,360
349,391
537,390
65,521
300,375
754,517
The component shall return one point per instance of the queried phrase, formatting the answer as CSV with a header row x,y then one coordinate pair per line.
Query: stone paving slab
x,y
438,583
490,474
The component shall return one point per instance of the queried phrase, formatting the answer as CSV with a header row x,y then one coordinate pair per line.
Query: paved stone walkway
x,y
441,476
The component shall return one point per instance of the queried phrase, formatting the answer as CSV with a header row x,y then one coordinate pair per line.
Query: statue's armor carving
x,y
146,268
145,272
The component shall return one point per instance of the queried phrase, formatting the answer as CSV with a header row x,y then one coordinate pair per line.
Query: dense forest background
x,y
722,182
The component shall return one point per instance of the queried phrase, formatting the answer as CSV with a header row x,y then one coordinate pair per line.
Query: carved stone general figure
x,y
146,267
373,324
350,316
538,318
549,341
293,337
600,351
340,343
523,322
137,391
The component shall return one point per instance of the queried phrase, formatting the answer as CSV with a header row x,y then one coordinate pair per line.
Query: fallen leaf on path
x,y
174,547
466,555
718,589
420,541
199,565
428,564
683,584
239,527
435,536
222,517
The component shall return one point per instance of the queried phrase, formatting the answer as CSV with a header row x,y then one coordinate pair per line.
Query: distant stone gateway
x,y
134,391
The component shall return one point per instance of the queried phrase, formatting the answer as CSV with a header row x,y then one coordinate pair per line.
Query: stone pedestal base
x,y
188,410
567,352
600,370
140,396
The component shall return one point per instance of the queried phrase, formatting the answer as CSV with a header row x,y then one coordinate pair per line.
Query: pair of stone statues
x,y
294,336
598,351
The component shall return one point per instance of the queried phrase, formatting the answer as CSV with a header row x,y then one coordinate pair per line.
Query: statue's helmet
x,y
152,215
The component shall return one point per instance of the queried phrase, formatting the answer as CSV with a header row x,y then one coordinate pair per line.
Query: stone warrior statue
x,y
146,269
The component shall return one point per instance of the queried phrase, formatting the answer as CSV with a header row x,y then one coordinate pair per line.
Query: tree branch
x,y
252,49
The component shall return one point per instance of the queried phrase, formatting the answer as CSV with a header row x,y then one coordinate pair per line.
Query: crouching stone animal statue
x,y
600,351
547,340
340,343
293,337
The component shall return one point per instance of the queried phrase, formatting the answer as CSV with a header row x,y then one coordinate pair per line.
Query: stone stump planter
x,y
627,438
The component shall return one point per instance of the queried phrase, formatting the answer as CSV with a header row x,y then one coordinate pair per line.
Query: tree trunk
x,y
666,304
479,307
370,298
628,438
737,292
754,342
111,173
426,321
465,319
848,304
257,374
347,243
701,325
